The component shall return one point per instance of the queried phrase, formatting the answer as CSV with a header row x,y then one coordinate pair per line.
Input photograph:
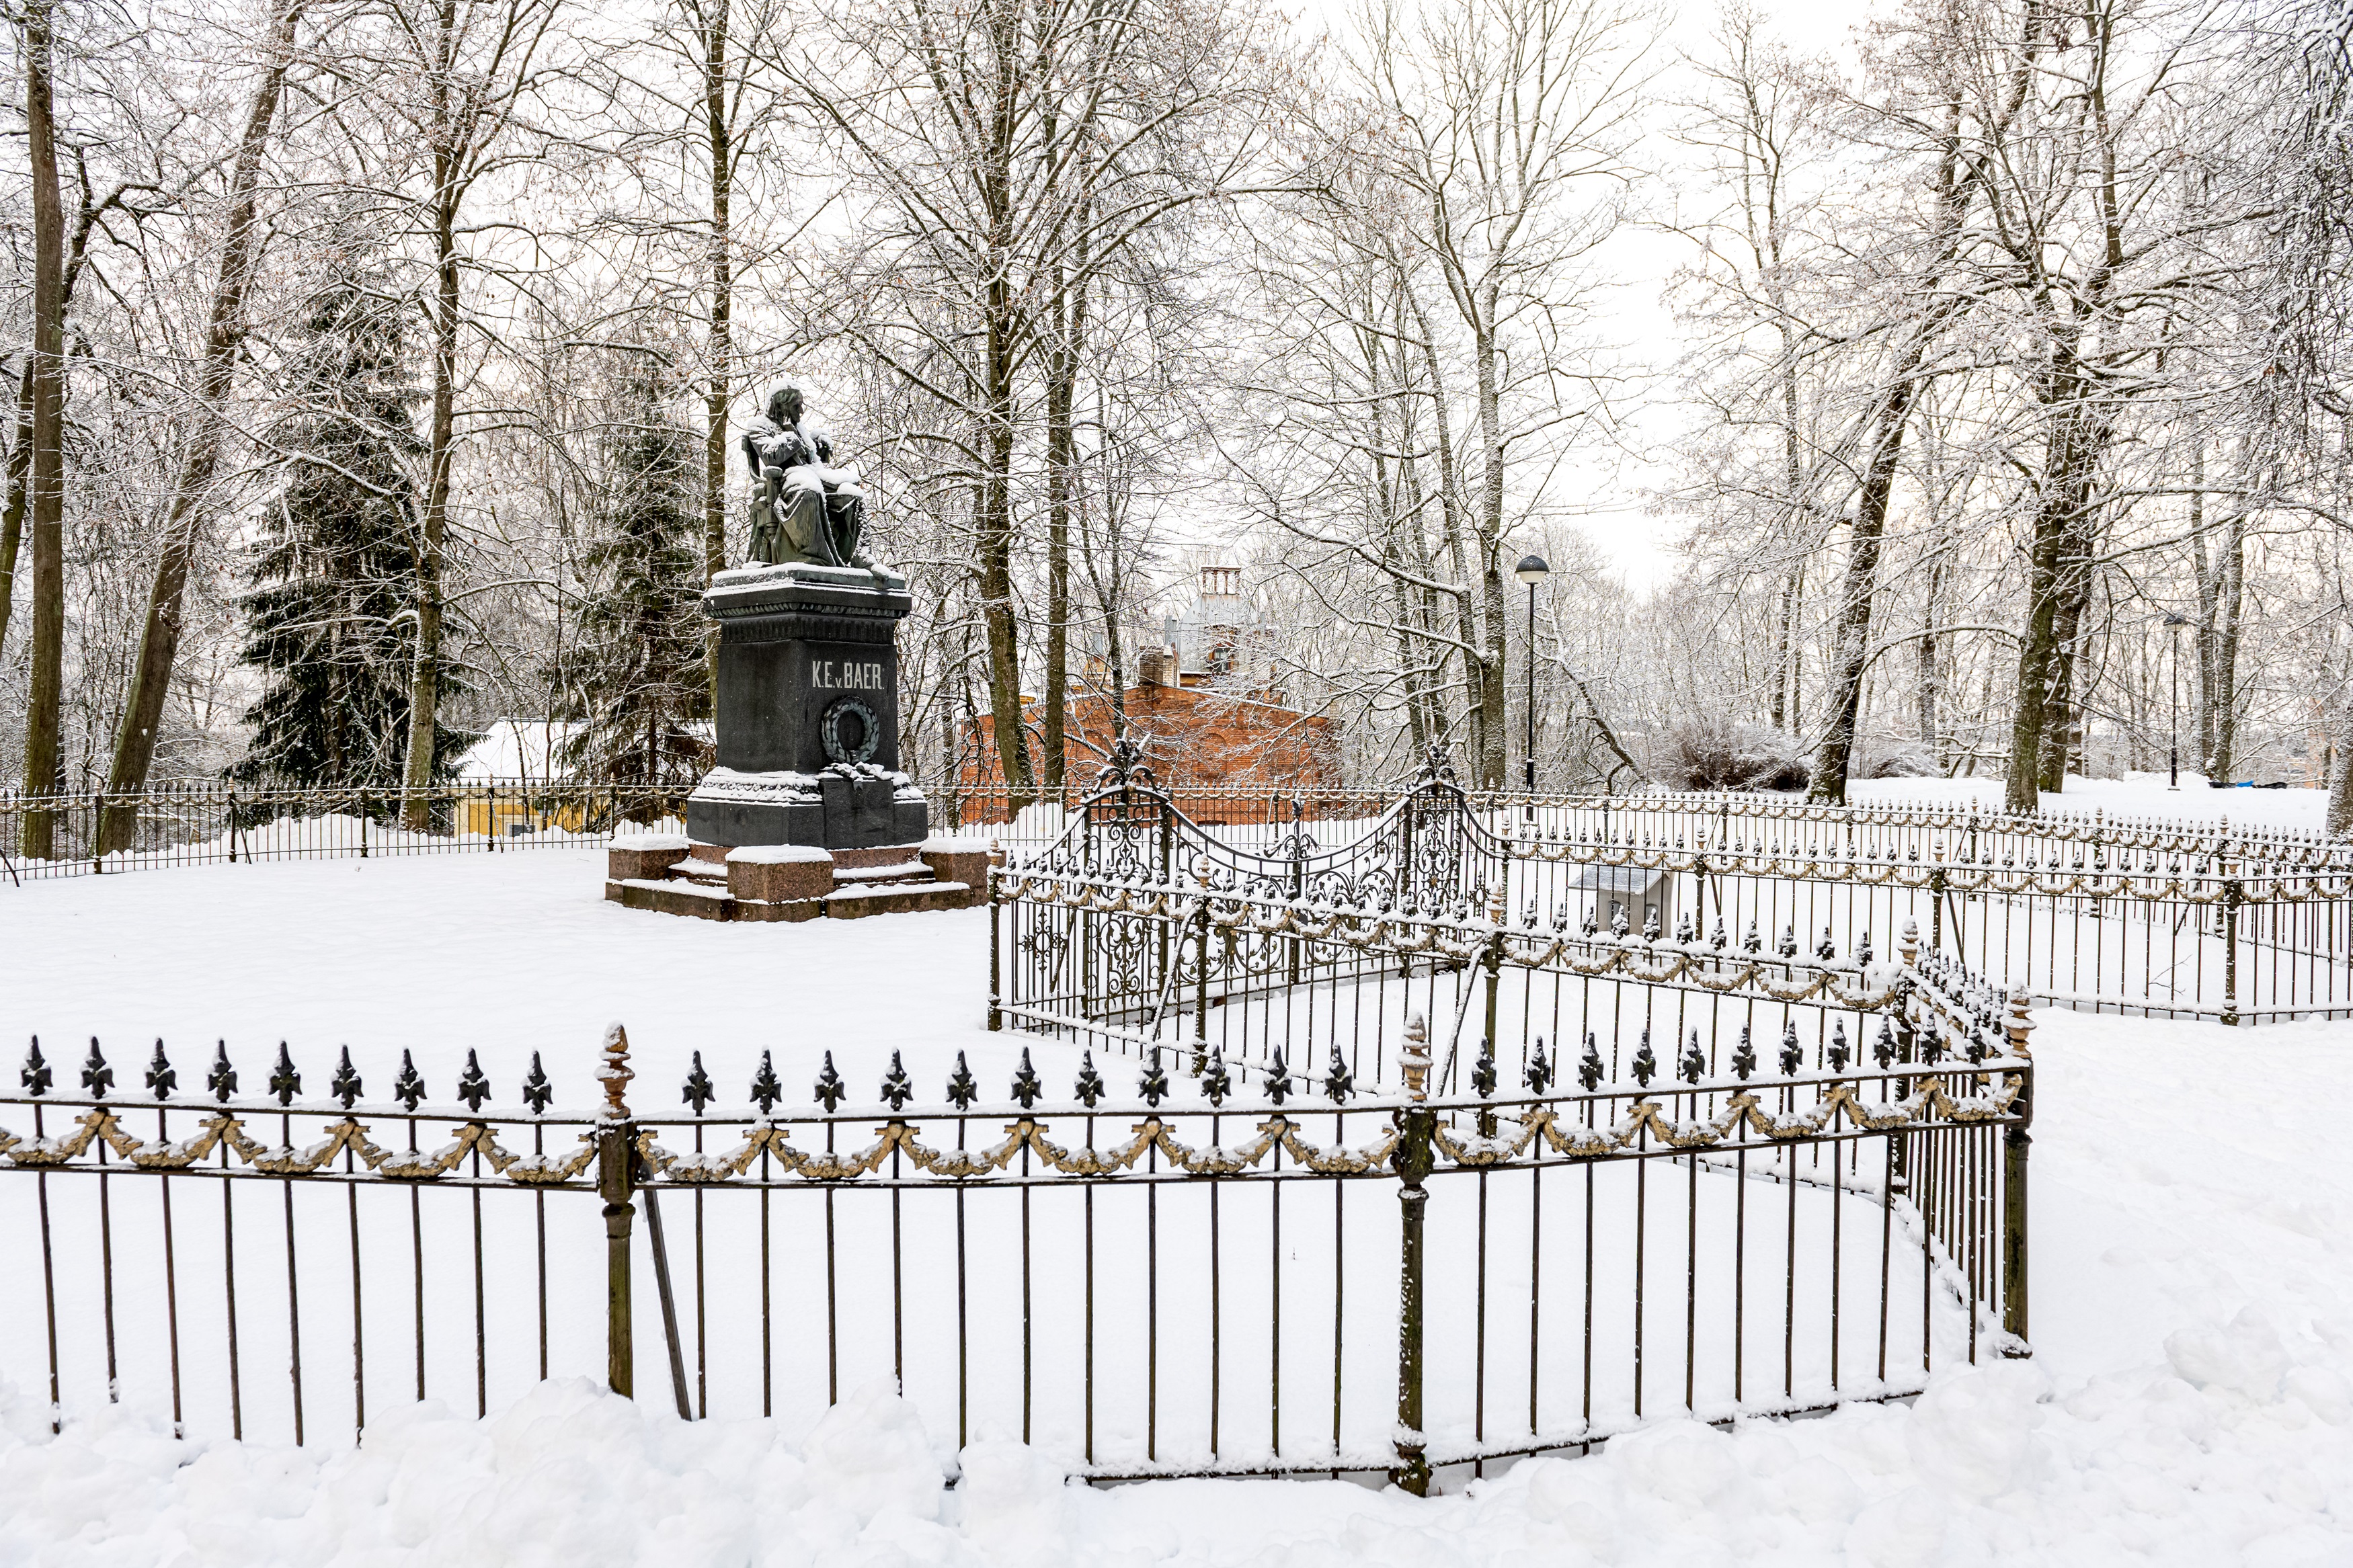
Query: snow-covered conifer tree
x,y
333,575
642,679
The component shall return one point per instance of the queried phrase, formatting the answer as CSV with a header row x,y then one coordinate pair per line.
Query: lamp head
x,y
1532,569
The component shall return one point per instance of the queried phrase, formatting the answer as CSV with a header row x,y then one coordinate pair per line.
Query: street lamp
x,y
2174,622
1532,571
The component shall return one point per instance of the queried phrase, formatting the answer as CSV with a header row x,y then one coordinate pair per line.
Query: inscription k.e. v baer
x,y
846,675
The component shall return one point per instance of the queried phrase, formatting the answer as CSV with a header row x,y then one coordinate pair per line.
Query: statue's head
x,y
784,405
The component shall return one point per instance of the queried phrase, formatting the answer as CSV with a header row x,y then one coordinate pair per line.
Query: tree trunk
x,y
996,549
2230,601
424,677
1930,672
1069,308
159,641
2075,443
12,517
2067,634
1489,666
1851,639
2341,782
1449,512
1850,634
1779,710
720,345
45,471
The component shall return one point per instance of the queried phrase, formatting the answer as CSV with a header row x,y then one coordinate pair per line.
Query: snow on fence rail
x,y
207,822
1220,1279
2170,920
2190,928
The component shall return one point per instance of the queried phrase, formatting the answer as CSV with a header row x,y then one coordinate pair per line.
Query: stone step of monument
x,y
852,902
874,858
701,871
880,875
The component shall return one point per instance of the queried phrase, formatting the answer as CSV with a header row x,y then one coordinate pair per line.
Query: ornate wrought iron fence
x,y
1230,1279
1137,931
2179,926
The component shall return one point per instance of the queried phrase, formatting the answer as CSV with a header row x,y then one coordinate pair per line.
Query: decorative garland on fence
x,y
222,1128
1026,1133
1465,941
1929,1104
2200,887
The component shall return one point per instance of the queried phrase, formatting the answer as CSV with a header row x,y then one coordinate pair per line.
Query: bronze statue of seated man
x,y
803,508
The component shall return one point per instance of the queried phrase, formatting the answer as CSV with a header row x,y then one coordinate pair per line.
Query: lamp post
x,y
1532,571
2173,624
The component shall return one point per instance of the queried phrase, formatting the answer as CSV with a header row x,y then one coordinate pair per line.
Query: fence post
x,y
1416,1126
615,1177
2015,1144
996,914
1498,910
1201,979
2232,894
1936,900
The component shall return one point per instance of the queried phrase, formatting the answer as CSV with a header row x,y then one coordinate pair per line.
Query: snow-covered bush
x,y
1883,756
1715,752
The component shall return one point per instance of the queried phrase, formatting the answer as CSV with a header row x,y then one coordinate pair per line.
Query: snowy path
x,y
2192,1400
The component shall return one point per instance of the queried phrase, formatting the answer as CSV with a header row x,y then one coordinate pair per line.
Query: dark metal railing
x,y
2188,925
207,822
1213,1279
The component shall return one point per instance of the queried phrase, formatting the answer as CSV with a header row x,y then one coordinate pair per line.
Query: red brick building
x,y
1207,710
1191,736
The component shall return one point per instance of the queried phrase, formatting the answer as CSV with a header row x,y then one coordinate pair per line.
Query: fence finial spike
x,y
345,1085
1216,1082
1538,1074
221,1079
36,1075
1645,1064
696,1090
161,1078
407,1086
897,1087
284,1081
1338,1081
96,1076
1090,1084
1277,1077
473,1086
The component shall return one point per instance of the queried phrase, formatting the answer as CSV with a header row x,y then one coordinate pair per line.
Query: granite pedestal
x,y
808,712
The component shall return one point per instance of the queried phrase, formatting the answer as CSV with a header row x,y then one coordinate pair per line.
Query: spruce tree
x,y
641,677
333,571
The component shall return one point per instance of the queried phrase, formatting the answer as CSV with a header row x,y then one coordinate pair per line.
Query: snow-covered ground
x,y
2190,1400
2136,796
